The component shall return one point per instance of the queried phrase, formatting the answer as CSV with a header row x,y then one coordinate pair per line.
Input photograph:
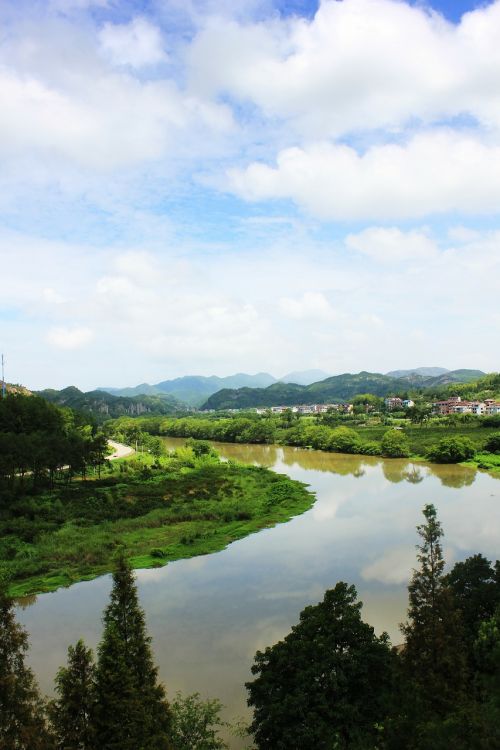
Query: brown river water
x,y
208,615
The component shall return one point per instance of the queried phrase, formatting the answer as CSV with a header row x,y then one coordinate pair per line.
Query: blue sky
x,y
215,186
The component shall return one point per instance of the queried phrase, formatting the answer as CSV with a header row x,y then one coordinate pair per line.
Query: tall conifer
x,y
131,709
22,711
73,711
433,652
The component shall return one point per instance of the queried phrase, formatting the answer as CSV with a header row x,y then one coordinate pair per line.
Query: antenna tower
x,y
3,377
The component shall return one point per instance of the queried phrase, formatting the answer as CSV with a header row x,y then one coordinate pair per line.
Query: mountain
x,y
304,377
333,389
455,376
104,405
425,371
195,389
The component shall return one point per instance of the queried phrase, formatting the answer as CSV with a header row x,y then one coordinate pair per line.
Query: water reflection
x,y
209,615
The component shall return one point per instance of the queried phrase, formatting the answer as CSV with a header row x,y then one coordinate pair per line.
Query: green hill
x,y
104,406
337,388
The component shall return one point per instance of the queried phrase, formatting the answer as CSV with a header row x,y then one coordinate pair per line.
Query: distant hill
x,y
334,389
195,389
104,405
304,377
425,371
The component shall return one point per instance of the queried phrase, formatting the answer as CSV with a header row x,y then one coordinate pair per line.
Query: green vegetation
x,y
365,434
64,509
337,388
331,683
116,704
100,405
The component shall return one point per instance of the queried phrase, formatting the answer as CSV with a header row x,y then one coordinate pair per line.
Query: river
x,y
208,615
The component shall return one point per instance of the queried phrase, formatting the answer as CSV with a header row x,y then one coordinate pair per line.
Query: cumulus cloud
x,y
69,338
357,65
138,43
435,172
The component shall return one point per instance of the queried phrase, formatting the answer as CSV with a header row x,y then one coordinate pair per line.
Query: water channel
x,y
208,615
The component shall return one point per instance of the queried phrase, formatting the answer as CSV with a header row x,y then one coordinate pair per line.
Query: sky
x,y
220,186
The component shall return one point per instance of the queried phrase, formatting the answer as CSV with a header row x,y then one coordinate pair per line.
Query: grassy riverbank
x,y
160,510
361,435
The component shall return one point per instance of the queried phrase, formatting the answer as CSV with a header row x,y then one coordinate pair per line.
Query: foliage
x,y
73,712
395,444
452,450
475,585
131,708
433,654
196,723
493,443
22,712
325,685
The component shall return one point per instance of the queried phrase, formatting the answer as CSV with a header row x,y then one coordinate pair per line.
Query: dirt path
x,y
119,450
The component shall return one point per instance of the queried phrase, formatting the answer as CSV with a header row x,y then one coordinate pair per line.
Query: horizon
x,y
255,186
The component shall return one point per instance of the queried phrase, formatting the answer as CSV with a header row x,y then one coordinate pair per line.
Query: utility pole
x,y
3,377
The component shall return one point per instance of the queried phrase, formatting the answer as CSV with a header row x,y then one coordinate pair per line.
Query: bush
x,y
452,450
493,443
344,440
395,444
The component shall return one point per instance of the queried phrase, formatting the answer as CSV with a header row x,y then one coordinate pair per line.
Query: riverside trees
x,y
38,439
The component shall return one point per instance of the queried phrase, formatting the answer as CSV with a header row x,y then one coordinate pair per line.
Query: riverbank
x,y
159,510
397,439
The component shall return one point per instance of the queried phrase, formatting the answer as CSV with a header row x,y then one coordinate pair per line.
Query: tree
x,y
395,444
451,450
433,653
72,712
493,443
196,723
476,591
131,709
22,712
326,684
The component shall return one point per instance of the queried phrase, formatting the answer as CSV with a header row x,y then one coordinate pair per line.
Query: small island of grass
x,y
159,508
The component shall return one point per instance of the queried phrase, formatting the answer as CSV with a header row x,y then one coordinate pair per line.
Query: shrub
x,y
451,450
493,443
395,444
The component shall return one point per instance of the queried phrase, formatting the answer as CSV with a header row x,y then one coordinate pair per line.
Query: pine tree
x,y
22,711
433,653
72,713
131,709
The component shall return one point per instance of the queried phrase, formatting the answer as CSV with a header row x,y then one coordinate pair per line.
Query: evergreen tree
x,y
433,652
326,685
22,711
72,713
131,710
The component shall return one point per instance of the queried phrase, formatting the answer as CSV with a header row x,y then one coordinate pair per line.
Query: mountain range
x,y
194,390
336,388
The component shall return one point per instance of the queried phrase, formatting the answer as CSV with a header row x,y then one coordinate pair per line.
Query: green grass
x,y
176,511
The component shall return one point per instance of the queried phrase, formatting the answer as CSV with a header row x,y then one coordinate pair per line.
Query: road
x,y
119,450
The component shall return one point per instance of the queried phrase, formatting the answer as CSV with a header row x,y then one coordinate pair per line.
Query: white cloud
x,y
436,172
138,43
391,245
311,305
70,338
357,65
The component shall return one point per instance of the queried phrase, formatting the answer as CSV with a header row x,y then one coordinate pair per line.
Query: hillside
x,y
334,389
106,406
